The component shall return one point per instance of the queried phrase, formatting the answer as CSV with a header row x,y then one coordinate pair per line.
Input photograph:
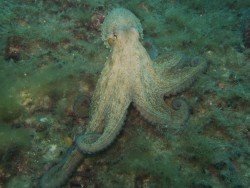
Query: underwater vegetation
x,y
124,82
13,138
51,52
14,142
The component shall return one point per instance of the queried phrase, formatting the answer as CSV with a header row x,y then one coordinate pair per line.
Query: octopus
x,y
128,77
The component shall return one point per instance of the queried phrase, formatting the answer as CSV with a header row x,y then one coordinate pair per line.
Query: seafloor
x,y
51,56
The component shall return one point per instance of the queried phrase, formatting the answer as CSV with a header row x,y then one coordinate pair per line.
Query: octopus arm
x,y
178,79
92,142
167,63
109,113
153,107
58,175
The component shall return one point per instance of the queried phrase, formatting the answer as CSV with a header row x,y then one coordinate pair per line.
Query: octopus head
x,y
118,23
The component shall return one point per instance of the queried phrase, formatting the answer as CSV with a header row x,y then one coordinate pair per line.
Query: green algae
x,y
13,137
20,181
9,108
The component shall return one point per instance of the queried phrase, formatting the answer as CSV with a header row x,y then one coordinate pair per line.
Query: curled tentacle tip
x,y
177,103
182,112
86,139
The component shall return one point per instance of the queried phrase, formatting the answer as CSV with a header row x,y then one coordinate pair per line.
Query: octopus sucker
x,y
128,77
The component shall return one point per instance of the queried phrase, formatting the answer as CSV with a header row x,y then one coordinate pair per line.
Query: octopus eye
x,y
111,39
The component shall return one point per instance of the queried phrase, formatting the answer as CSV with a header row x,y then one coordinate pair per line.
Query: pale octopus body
x,y
129,76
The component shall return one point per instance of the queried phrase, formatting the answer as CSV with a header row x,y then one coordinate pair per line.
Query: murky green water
x,y
51,57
